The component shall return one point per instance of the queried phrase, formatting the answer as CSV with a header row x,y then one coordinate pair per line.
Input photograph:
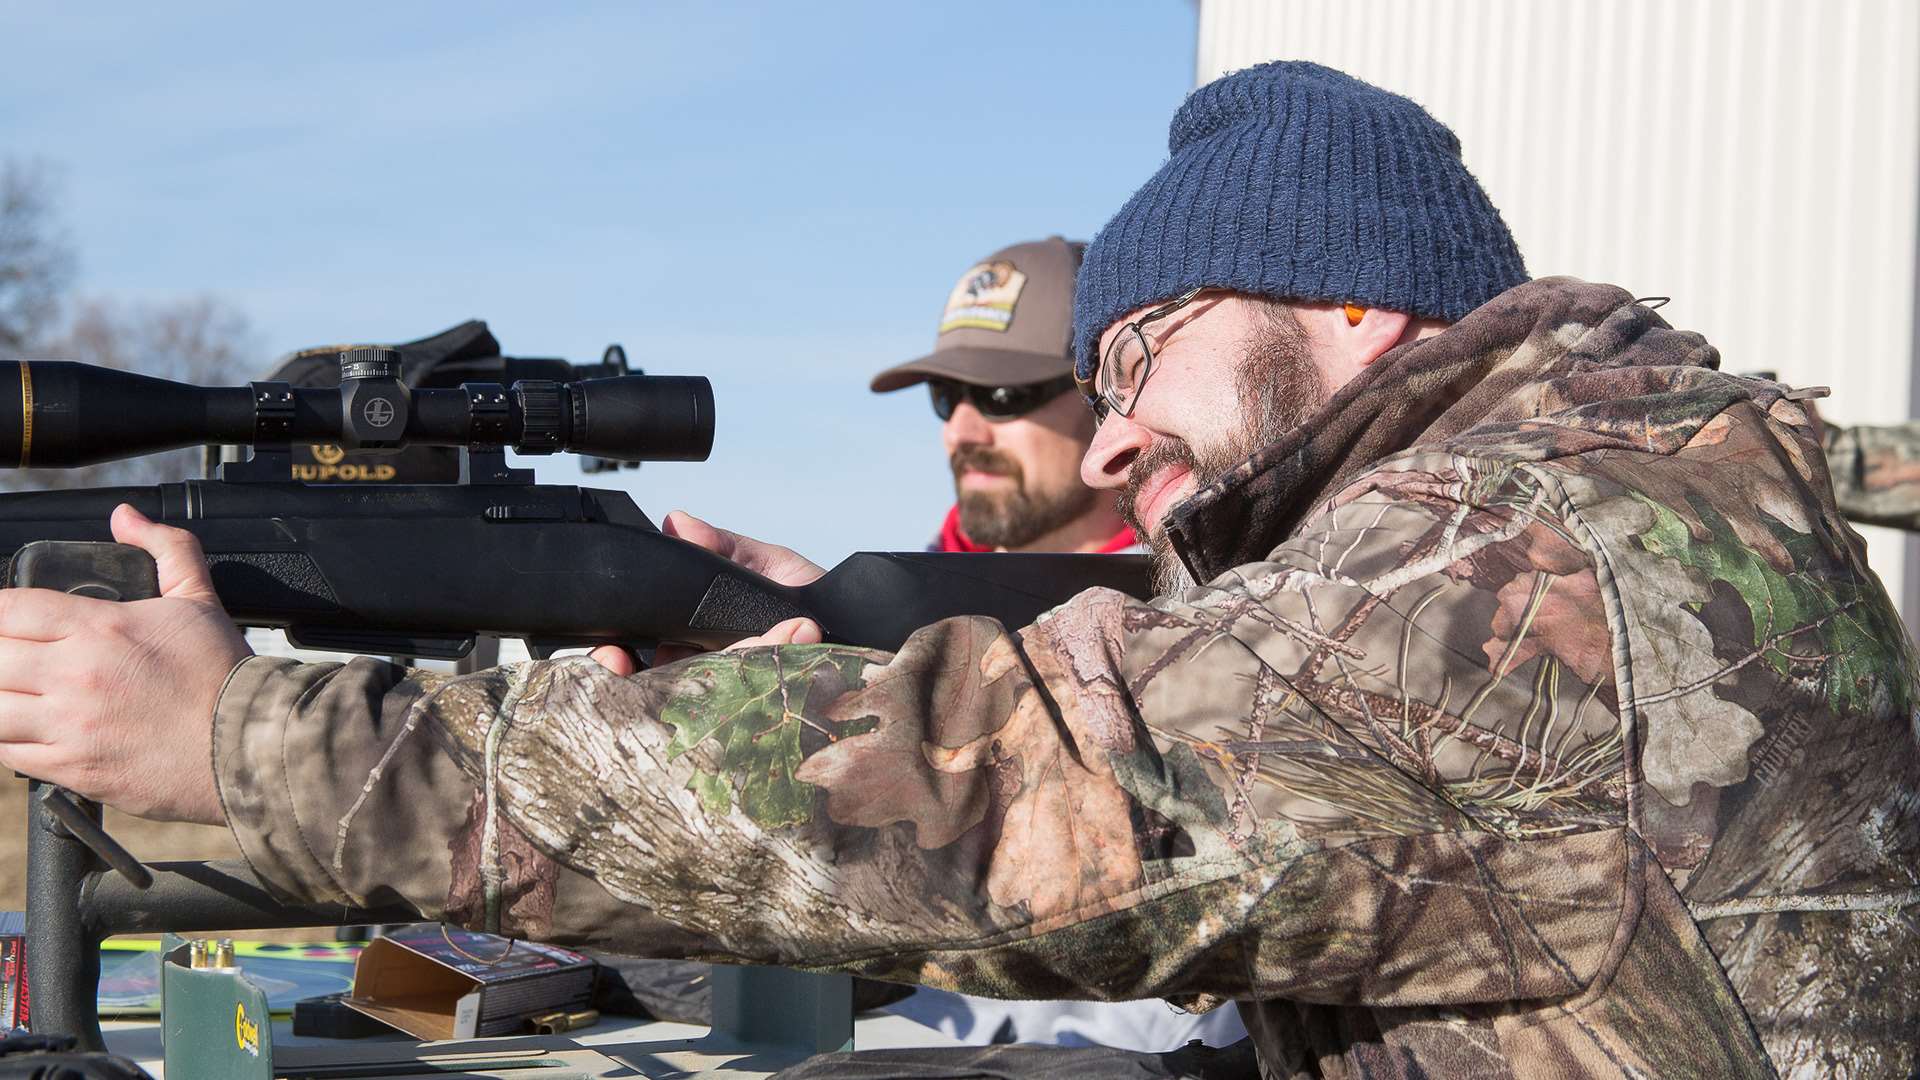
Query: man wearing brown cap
x,y
1001,378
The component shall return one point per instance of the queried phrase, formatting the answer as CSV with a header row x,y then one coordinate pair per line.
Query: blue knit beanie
x,y
1296,181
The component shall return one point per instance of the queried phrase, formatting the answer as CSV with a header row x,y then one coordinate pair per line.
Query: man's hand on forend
x,y
115,700
781,564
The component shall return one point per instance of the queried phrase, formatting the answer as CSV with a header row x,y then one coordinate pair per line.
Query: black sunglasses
x,y
995,402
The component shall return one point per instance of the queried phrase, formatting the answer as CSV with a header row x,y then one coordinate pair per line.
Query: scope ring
x,y
488,414
272,412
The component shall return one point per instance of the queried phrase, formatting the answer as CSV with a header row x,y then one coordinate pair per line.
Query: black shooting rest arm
x,y
74,902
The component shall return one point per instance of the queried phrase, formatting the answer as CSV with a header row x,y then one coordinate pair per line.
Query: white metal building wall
x,y
1757,160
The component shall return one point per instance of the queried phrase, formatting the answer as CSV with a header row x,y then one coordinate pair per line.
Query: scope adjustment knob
x,y
374,403
370,362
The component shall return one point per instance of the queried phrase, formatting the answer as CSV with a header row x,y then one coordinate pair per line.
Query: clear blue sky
x,y
777,195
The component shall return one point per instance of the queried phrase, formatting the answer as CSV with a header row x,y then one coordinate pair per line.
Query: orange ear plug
x,y
1354,314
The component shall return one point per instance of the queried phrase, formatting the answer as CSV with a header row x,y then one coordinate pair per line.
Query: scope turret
x,y
60,414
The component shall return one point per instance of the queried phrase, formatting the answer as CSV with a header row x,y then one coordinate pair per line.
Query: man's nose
x,y
966,427
1116,442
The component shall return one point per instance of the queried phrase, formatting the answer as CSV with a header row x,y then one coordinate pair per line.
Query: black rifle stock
x,y
421,570
408,570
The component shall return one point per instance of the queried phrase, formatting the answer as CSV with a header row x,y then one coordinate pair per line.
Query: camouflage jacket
x,y
1540,716
1876,473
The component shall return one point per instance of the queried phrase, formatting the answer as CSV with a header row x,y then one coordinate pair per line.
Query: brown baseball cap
x,y
1008,322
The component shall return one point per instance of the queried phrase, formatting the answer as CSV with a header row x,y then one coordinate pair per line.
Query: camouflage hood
x,y
1524,354
1539,717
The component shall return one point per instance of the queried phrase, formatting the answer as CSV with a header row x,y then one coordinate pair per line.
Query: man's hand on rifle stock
x,y
115,700
780,564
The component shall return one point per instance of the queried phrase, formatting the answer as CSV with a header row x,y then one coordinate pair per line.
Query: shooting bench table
x,y
651,1048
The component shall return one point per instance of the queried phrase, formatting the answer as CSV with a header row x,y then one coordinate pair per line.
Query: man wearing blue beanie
x,y
1417,483
1518,702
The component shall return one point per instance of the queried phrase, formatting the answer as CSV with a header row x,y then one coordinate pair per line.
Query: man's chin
x,y
1170,576
981,507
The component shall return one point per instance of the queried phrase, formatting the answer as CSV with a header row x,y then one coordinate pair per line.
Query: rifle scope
x,y
57,413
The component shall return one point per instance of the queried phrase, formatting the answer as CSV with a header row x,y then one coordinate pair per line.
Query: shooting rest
x,y
75,901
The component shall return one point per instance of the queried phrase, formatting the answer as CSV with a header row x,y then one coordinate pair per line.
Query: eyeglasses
x,y
995,402
1129,362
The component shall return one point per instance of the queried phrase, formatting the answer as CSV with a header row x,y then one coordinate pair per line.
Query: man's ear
x,y
1353,337
1376,330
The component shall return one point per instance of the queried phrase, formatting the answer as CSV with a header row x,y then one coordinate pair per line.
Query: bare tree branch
x,y
36,258
197,340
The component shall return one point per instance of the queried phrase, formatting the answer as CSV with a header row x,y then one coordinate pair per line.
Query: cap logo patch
x,y
984,298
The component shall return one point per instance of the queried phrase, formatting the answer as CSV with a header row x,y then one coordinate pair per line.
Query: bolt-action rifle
x,y
411,570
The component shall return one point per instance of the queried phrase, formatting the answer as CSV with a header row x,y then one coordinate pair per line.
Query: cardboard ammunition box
x,y
460,985
13,971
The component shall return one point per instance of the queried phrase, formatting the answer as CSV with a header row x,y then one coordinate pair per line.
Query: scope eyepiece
x,y
59,414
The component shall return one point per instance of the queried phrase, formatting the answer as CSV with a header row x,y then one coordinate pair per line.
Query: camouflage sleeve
x,y
335,797
1876,473
1382,766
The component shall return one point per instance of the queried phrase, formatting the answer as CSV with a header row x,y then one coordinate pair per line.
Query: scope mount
x,y
374,406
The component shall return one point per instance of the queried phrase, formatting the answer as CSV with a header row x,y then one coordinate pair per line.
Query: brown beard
x,y
1014,518
1278,380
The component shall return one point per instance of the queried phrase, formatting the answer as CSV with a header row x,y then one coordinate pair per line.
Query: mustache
x,y
983,459
1153,459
